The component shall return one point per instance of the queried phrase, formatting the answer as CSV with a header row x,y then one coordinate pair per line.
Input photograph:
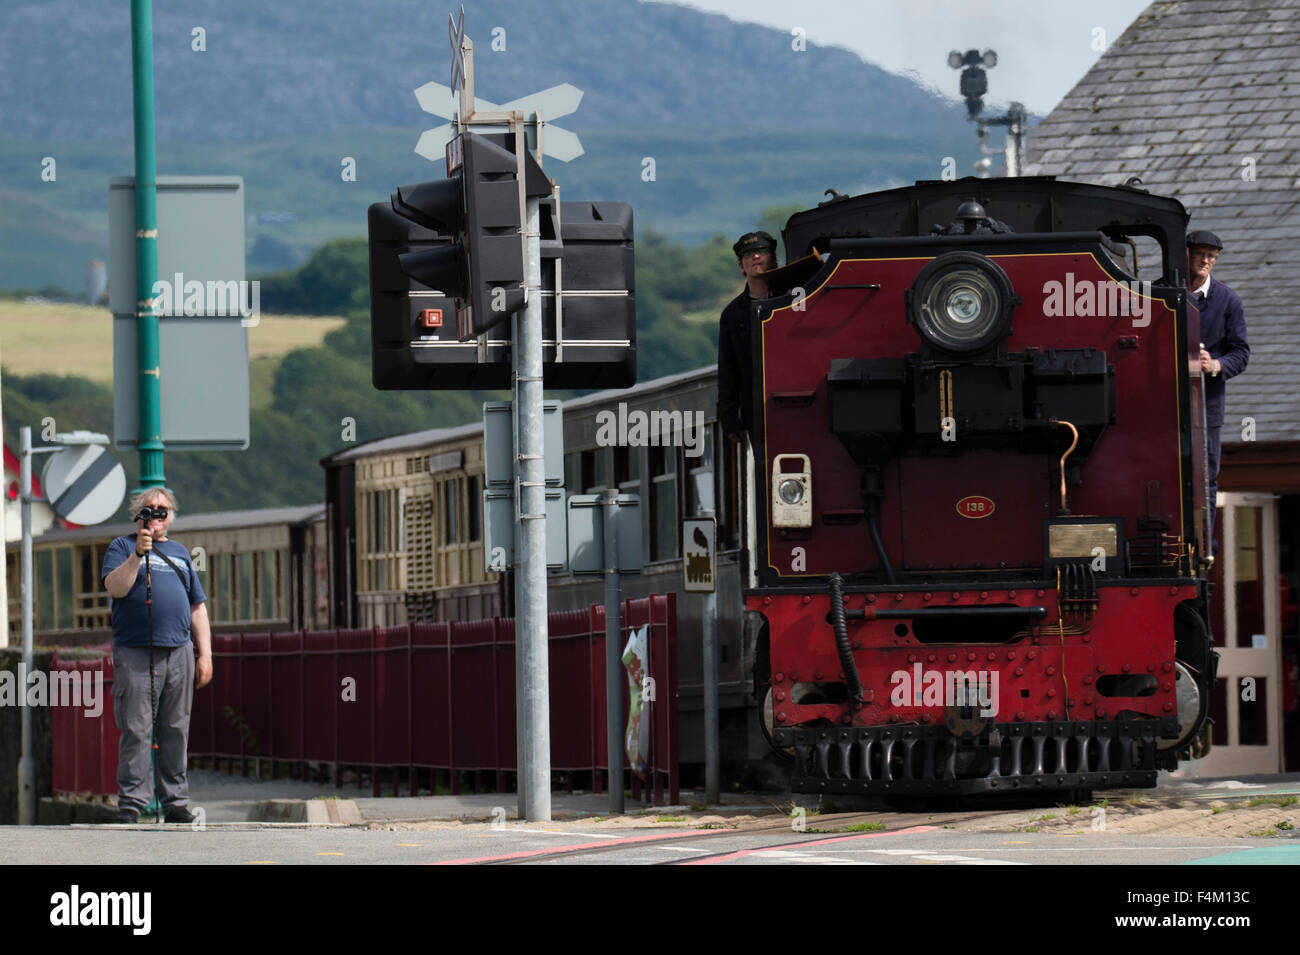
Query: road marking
x,y
1254,855
796,855
933,857
991,862
742,853
408,845
329,853
561,850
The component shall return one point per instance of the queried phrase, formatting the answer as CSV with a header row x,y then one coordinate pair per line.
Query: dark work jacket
x,y
1223,332
735,366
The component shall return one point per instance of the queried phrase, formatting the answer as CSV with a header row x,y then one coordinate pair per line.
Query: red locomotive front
x,y
980,453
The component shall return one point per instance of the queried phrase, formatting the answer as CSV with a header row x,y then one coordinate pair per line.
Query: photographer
x,y
157,606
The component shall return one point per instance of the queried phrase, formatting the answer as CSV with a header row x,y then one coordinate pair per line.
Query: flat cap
x,y
1203,237
754,242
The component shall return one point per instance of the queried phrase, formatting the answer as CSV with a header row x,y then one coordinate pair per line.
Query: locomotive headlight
x,y
961,302
791,491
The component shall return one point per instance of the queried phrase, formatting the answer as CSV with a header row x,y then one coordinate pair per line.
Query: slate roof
x,y
1201,100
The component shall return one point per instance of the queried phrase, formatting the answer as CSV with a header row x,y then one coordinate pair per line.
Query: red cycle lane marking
x,y
741,853
560,850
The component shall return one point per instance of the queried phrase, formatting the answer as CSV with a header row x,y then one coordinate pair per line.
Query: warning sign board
x,y
699,536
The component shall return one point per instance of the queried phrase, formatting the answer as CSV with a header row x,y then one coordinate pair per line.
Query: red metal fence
x,y
437,697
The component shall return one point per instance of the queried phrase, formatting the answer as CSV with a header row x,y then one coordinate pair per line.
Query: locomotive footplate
x,y
1008,757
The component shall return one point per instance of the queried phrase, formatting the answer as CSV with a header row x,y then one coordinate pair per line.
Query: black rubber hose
x,y
874,526
872,492
842,638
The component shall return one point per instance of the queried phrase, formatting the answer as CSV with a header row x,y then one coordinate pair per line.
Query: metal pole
x,y
523,751
146,246
4,565
613,655
26,762
1210,507
712,774
531,491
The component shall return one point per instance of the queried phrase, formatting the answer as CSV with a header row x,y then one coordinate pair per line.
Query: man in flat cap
x,y
755,254
1224,348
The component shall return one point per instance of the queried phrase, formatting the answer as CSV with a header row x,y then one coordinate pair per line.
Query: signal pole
x,y
532,676
531,630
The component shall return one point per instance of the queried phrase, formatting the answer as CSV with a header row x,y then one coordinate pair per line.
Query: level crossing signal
x,y
444,253
478,207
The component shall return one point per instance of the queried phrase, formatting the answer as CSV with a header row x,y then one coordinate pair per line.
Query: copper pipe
x,y
1073,444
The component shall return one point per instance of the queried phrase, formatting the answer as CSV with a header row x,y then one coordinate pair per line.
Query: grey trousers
x,y
174,685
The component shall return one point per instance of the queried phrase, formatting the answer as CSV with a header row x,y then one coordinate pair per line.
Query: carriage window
x,y
622,464
729,483
91,600
64,595
44,590
595,470
270,580
663,503
244,583
474,501
573,473
451,512
700,485
215,586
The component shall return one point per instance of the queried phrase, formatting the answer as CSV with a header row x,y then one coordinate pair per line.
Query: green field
x,y
62,339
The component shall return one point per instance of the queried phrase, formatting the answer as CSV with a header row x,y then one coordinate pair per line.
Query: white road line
x,y
796,855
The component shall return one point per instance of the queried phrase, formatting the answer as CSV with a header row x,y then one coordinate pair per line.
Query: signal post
x,y
472,244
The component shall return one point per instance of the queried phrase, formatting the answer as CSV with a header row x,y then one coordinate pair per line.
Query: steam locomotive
x,y
982,541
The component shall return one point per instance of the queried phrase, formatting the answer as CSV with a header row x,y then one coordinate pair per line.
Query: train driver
x,y
755,254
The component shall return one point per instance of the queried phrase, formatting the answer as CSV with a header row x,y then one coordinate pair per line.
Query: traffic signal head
x,y
479,207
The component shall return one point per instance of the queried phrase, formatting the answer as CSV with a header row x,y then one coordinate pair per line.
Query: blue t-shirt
x,y
172,595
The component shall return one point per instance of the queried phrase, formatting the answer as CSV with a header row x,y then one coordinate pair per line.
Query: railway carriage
x,y
262,570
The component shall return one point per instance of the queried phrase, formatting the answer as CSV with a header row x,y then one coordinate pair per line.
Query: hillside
x,y
734,120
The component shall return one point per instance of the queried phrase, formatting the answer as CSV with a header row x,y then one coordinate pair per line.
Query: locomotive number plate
x,y
975,506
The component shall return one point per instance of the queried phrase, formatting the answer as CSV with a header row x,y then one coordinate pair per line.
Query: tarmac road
x,y
750,829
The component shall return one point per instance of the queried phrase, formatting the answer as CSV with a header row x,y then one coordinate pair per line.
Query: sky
x,y
1044,47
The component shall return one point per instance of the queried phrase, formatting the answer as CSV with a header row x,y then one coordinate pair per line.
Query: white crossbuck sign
x,y
550,104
